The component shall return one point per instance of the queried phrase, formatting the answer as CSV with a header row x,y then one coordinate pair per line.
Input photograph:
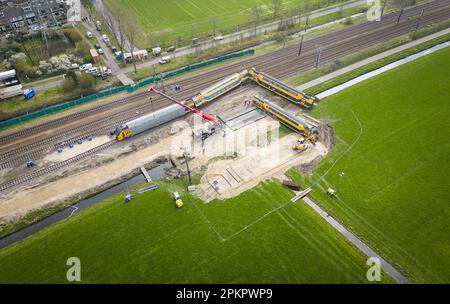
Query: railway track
x,y
197,79
43,171
282,64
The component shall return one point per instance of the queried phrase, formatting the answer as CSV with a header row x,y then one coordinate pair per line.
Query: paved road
x,y
102,9
108,56
120,73
237,36
357,242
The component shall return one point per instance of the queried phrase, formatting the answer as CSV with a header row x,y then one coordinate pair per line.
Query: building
x,y
31,15
9,84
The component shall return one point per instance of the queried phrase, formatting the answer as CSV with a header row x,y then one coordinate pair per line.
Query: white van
x,y
156,51
86,66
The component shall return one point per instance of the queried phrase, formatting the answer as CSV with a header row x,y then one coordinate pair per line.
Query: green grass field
x,y
258,236
393,147
165,21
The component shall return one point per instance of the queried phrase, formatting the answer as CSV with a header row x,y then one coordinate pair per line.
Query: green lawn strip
x,y
16,106
150,240
375,65
352,58
392,145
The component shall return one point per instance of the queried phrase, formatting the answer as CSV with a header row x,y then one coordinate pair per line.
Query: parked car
x,y
98,25
113,49
97,46
93,71
100,51
106,70
164,60
86,66
171,49
89,35
74,66
217,38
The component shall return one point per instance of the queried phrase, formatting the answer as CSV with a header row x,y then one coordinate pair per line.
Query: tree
x,y
193,28
214,23
86,82
131,31
256,12
115,21
276,7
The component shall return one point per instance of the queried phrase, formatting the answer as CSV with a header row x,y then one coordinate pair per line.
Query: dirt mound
x,y
326,132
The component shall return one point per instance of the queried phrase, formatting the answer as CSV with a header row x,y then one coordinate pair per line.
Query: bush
x,y
69,85
86,82
72,34
7,49
348,21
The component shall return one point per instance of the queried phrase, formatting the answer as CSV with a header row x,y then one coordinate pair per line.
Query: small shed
x,y
94,55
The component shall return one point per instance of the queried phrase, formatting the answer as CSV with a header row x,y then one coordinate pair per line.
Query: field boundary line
x,y
388,268
211,226
256,221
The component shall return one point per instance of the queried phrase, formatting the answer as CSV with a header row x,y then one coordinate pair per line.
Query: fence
x,y
128,88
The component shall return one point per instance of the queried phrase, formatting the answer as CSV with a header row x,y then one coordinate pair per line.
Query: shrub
x,y
72,34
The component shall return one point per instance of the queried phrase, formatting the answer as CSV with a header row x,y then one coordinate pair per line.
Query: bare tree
x,y
401,4
193,28
256,12
131,30
383,7
116,23
214,23
276,7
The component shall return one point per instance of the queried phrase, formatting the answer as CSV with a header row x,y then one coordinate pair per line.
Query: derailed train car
x,y
293,123
217,89
149,121
284,90
172,112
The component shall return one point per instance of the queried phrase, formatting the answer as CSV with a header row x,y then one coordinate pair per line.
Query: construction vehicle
x,y
331,192
183,152
301,145
178,201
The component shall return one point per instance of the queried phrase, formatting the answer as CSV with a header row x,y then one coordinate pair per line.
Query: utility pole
x,y
162,83
307,22
400,15
420,19
301,45
319,52
155,82
186,159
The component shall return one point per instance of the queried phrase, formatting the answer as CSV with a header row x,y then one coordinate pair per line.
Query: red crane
x,y
194,110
